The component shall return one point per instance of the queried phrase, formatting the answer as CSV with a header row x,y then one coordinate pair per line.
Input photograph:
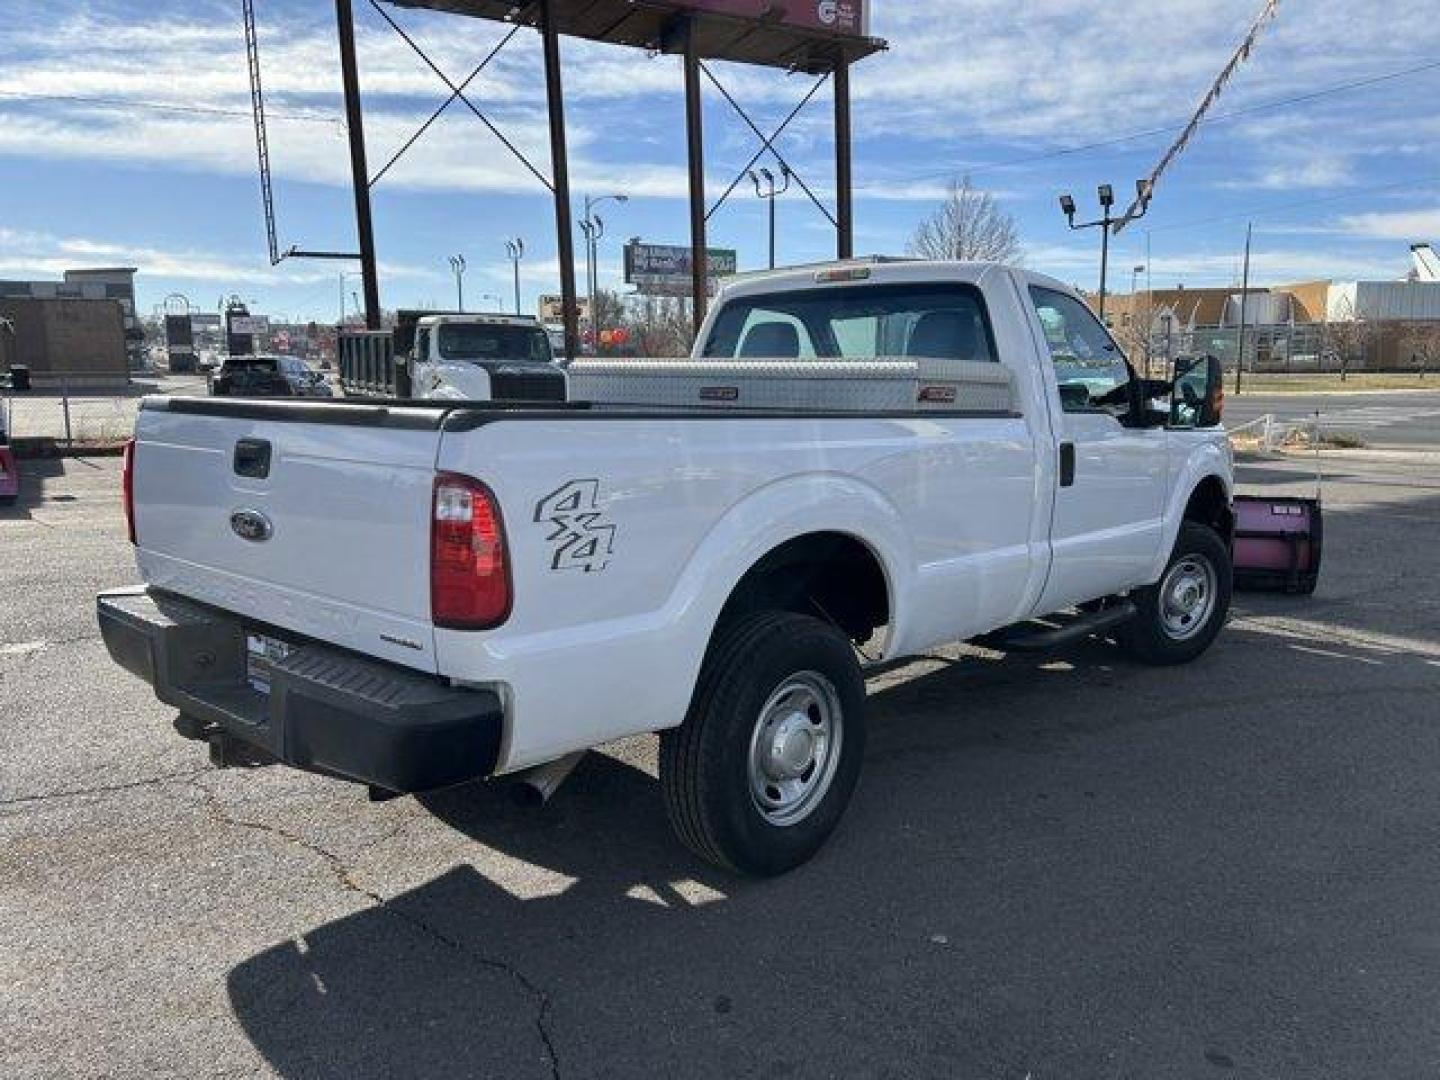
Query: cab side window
x,y
422,346
1089,366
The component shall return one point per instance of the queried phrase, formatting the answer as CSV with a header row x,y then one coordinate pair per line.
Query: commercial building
x,y
1305,326
79,331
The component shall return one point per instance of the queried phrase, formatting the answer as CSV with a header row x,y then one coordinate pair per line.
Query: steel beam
x,y
695,139
844,184
560,175
360,173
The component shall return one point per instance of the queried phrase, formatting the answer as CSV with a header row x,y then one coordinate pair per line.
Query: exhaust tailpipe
x,y
535,786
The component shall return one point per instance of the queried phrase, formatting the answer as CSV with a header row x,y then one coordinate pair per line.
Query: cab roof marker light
x,y
844,273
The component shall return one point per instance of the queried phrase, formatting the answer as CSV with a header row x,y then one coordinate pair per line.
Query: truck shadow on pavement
x,y
1064,875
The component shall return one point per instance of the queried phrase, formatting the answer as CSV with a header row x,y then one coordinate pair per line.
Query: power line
x,y
160,106
1115,140
1273,208
1141,202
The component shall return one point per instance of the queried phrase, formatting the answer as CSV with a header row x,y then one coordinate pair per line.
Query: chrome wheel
x,y
1187,597
795,748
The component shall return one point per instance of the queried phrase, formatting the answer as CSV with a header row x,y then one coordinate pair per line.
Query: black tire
x,y
705,764
1147,637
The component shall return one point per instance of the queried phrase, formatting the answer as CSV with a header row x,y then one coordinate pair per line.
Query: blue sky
x,y
156,168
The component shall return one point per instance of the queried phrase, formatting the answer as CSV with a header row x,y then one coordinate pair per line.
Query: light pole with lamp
x,y
1104,224
515,251
1136,312
770,192
593,226
457,267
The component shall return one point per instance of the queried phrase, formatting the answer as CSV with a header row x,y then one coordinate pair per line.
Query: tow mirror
x,y
1197,397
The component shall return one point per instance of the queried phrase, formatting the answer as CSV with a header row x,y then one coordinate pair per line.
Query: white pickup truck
x,y
414,596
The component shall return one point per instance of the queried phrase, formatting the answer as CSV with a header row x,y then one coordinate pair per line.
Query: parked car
x,y
9,471
859,463
269,376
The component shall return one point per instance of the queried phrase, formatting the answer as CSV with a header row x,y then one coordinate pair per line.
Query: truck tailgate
x,y
309,518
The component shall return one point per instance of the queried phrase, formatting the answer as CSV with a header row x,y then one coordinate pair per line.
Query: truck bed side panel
x,y
627,536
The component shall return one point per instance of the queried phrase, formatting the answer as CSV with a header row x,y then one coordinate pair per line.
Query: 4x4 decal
x,y
583,537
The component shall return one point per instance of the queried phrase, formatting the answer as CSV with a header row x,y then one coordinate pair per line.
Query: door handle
x,y
252,458
1067,464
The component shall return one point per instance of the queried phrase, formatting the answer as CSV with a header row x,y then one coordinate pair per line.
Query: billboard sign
x,y
179,336
664,269
835,16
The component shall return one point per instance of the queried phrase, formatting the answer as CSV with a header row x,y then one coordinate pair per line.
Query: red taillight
x,y
127,484
469,571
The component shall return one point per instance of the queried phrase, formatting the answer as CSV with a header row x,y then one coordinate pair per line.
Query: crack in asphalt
x,y
104,789
346,879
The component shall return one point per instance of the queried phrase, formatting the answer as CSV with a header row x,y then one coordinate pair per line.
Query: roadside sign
x,y
249,324
551,309
664,269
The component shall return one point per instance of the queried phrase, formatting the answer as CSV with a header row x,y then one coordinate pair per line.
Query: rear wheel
x,y
1180,615
760,772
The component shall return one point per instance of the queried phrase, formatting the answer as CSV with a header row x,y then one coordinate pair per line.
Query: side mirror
x,y
1197,399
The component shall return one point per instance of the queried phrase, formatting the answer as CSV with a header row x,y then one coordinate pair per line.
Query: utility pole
x,y
1244,297
515,251
770,192
457,267
1105,224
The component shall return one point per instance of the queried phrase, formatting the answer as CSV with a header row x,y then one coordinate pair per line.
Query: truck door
x,y
1107,523
423,371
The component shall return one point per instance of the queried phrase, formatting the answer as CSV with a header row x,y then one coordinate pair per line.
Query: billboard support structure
x,y
844,183
809,36
695,142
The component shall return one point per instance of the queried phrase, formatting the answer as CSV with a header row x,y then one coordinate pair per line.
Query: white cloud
x,y
1410,226
27,253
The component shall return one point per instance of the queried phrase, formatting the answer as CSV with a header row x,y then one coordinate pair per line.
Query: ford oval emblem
x,y
251,525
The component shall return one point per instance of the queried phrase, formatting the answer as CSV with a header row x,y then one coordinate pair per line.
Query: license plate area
x,y
262,652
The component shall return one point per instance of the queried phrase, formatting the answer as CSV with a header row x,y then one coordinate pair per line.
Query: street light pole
x,y
593,226
770,192
515,251
1136,312
1244,296
1104,224
457,266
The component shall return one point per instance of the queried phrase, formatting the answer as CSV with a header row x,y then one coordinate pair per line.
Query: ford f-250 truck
x,y
878,457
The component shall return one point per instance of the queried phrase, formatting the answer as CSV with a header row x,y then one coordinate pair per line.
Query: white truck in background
x,y
453,357
878,456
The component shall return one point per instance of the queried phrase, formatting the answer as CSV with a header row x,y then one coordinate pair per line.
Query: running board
x,y
1040,638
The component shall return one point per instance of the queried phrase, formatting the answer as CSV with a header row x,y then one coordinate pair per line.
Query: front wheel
x,y
760,772
1181,614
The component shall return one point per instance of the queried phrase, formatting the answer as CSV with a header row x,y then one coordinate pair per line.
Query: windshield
x,y
941,322
250,363
459,341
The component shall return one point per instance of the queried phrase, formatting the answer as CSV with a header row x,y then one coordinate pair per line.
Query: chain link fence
x,y
73,417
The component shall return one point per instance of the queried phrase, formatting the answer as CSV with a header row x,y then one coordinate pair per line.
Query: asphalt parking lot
x,y
1062,868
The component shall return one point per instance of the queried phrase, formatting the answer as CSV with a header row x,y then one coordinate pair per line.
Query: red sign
x,y
837,16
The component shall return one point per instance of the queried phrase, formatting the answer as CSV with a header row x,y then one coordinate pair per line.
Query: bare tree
x,y
1348,334
968,226
1422,341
